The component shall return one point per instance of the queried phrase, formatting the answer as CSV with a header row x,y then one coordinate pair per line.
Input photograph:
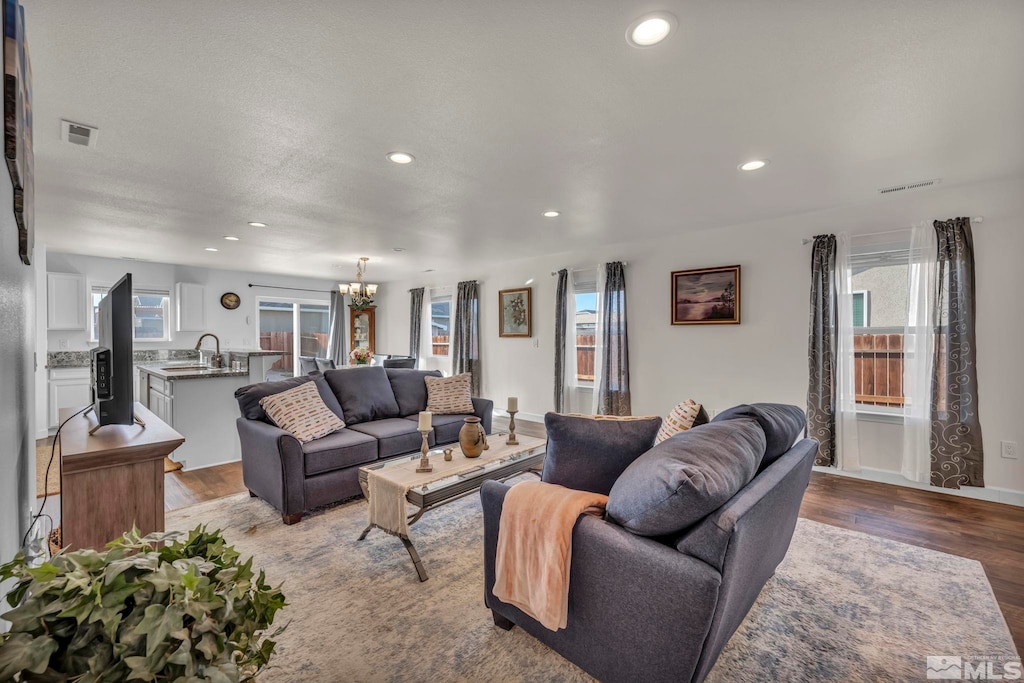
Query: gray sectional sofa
x,y
380,407
694,528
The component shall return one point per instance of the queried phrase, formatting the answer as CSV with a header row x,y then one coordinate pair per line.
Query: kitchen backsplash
x,y
80,359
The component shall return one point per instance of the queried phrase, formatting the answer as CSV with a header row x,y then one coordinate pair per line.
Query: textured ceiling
x,y
212,114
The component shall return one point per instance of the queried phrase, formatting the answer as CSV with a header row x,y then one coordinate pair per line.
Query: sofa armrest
x,y
638,609
483,408
272,465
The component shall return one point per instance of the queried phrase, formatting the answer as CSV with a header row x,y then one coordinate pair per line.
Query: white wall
x,y
236,329
764,358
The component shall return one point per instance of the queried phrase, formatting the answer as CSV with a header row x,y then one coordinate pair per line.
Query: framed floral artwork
x,y
515,308
706,296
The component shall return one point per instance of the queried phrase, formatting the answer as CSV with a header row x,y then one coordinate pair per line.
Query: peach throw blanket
x,y
531,566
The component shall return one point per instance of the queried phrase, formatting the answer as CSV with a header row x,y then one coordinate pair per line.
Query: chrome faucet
x,y
216,360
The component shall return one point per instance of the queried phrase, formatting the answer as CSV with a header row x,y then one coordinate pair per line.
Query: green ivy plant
x,y
162,607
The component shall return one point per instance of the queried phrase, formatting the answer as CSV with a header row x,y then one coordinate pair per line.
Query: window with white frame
x,y
879,284
440,325
151,320
586,331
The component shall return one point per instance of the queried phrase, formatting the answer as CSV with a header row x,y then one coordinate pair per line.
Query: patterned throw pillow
x,y
686,415
449,395
302,413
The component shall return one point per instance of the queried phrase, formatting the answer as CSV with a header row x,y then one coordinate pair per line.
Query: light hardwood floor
x,y
991,533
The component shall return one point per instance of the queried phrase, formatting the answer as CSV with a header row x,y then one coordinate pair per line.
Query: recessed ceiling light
x,y
650,29
230,238
398,249
754,165
551,214
429,270
257,224
400,157
212,249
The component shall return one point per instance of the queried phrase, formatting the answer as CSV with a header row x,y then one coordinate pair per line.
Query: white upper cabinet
x,y
65,301
191,300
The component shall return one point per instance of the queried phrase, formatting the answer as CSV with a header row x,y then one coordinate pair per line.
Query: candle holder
x,y
425,465
512,440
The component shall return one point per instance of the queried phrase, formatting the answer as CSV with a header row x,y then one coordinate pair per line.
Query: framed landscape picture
x,y
515,308
706,296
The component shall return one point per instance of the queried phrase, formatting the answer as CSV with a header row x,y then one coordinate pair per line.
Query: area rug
x,y
50,485
843,606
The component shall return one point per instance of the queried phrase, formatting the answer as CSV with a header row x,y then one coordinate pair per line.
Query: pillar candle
x,y
425,422
513,404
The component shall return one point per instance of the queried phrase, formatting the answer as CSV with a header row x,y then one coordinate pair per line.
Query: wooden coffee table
x,y
499,462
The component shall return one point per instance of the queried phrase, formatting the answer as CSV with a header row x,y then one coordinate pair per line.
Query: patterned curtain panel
x,y
415,321
613,384
561,306
821,351
466,344
336,340
957,457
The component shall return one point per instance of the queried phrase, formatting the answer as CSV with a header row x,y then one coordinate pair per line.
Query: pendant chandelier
x,y
360,293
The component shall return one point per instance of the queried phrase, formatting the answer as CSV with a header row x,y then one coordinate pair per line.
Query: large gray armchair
x,y
662,608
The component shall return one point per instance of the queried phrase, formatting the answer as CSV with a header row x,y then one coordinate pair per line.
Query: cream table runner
x,y
389,485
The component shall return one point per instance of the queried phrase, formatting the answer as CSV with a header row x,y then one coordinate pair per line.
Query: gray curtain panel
x,y
821,351
957,458
561,305
336,340
466,344
415,320
613,391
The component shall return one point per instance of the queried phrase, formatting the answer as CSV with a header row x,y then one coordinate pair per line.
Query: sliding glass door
x,y
295,327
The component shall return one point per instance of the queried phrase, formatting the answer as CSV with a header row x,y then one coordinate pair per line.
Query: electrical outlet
x,y
1008,449
64,344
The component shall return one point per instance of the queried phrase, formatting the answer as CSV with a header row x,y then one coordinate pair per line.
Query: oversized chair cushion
x,y
588,453
782,425
686,477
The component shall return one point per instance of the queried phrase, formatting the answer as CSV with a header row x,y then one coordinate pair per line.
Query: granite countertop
x,y
188,371
81,359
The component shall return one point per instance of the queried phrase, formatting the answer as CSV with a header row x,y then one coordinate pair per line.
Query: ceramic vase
x,y
472,439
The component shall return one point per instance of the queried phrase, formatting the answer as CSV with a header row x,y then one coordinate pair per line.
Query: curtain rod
x,y
577,270
294,289
808,240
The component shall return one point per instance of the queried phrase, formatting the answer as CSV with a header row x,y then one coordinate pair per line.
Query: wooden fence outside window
x,y
878,369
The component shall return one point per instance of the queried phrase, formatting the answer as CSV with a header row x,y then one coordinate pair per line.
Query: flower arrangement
x,y
360,355
189,610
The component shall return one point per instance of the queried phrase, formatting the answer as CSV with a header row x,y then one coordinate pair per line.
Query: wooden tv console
x,y
112,479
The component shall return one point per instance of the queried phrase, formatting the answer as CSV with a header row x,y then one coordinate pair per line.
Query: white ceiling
x,y
212,114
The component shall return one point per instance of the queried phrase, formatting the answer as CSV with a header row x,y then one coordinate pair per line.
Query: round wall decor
x,y
230,301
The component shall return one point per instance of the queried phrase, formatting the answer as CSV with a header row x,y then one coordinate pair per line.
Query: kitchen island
x,y
199,402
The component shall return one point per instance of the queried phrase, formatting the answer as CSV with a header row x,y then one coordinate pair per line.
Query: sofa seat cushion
x,y
588,453
410,388
782,425
364,392
335,451
686,477
249,396
394,436
446,427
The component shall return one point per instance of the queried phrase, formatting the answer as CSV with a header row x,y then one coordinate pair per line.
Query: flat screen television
x,y
112,373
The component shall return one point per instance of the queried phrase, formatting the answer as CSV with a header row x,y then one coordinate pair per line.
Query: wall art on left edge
x,y
18,124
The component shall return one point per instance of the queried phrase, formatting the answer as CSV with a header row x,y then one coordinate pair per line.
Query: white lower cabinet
x,y
69,388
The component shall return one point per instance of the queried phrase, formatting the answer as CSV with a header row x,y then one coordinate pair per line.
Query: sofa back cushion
x,y
410,388
364,392
782,424
588,453
686,477
249,396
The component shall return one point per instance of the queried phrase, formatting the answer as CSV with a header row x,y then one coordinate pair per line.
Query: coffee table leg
x,y
416,561
365,531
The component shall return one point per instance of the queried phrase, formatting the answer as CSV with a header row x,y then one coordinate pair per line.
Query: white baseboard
x,y
212,464
525,417
995,494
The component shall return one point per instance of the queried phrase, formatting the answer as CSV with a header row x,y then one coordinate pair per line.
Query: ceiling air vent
x,y
78,134
919,185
